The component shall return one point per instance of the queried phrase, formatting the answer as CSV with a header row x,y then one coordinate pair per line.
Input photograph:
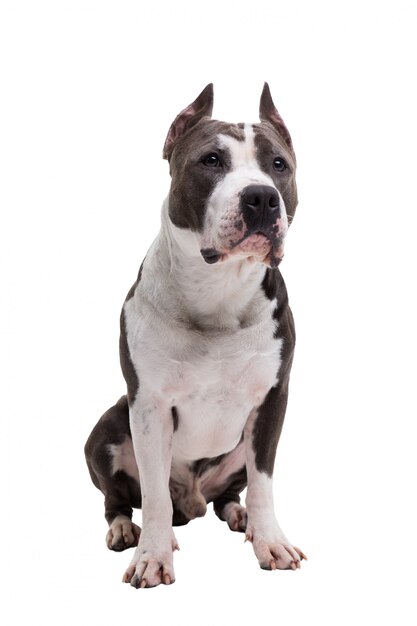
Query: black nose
x,y
260,206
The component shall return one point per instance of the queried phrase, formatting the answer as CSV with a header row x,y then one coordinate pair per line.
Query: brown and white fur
x,y
206,346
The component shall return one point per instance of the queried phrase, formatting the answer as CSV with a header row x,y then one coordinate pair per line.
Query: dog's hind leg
x,y
112,467
234,514
121,494
227,505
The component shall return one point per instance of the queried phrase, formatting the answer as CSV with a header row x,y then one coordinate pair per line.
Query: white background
x,y
88,92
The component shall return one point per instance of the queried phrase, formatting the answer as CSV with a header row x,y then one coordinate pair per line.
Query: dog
x,y
206,346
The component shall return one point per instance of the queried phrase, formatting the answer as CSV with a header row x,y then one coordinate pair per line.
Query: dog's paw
x,y
150,567
276,554
122,534
236,517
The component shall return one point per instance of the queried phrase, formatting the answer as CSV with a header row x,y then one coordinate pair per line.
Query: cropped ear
x,y
268,113
201,107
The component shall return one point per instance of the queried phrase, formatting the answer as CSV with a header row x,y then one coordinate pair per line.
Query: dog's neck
x,y
224,295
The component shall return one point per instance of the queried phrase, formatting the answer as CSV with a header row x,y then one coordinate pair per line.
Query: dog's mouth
x,y
256,247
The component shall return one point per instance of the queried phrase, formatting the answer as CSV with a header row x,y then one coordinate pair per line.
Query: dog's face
x,y
233,185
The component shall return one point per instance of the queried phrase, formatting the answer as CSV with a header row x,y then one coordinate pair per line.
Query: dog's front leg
x,y
261,435
152,429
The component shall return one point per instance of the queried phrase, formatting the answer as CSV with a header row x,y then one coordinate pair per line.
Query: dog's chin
x,y
256,248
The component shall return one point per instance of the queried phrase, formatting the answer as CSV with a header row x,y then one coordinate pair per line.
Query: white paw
x,y
151,566
277,553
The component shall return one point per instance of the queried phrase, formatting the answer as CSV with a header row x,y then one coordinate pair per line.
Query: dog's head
x,y
232,184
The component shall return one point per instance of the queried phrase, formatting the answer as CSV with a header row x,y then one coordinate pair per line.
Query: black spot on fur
x,y
175,417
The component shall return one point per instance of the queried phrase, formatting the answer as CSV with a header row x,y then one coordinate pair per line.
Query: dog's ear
x,y
268,113
201,107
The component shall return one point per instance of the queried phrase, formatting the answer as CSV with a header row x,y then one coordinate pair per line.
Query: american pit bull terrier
x,y
206,347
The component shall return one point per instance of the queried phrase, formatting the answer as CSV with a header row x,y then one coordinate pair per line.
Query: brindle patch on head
x,y
192,181
268,145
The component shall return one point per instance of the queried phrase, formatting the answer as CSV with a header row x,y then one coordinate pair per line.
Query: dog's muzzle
x,y
260,210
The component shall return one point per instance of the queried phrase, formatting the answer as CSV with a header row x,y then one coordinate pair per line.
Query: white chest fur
x,y
214,379
214,396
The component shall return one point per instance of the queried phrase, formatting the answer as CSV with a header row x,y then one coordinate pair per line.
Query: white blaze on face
x,y
224,223
243,153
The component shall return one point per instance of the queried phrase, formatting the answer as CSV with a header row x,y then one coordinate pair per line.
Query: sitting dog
x,y
206,346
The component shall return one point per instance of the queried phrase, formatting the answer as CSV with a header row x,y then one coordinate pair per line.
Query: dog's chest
x,y
215,395
212,380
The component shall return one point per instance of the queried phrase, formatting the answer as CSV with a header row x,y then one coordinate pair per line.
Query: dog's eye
x,y
279,164
211,160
